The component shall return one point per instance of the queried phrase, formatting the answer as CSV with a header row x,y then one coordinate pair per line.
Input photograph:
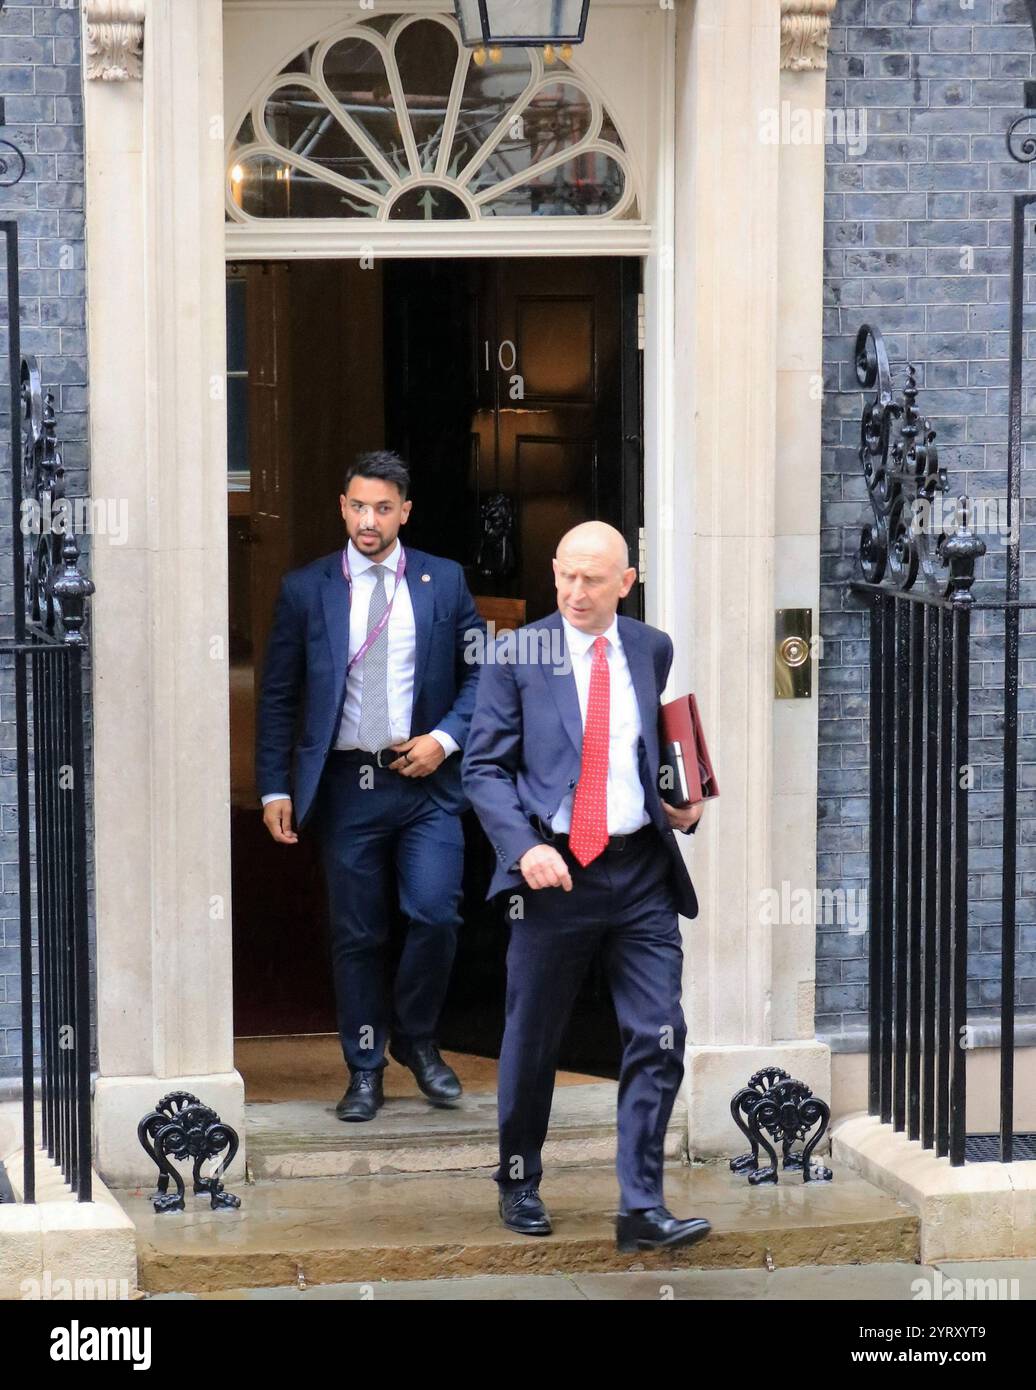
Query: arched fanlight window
x,y
392,119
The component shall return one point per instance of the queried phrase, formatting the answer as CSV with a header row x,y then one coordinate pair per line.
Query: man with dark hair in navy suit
x,y
562,766
369,655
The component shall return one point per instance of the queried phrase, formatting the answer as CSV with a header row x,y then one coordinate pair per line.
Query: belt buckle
x,y
377,756
617,842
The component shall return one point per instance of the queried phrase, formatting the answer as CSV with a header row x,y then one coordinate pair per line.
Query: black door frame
x,y
632,410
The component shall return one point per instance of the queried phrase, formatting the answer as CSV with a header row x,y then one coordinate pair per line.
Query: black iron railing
x,y
47,654
919,575
918,581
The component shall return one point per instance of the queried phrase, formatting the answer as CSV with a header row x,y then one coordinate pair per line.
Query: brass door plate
x,y
793,653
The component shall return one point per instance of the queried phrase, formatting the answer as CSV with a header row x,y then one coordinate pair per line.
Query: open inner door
x,y
512,389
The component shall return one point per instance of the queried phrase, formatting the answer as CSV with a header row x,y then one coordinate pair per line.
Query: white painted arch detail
x,y
619,228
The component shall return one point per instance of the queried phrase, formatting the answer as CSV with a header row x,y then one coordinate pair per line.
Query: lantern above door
x,y
547,24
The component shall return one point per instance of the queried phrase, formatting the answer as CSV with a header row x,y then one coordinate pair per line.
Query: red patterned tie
x,y
589,831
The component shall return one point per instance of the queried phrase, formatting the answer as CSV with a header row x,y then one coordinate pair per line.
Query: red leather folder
x,y
686,775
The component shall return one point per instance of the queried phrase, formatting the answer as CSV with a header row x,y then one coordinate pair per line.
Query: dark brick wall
x,y
40,82
917,241
938,79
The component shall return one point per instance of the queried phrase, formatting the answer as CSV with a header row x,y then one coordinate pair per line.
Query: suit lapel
x,y
422,600
335,595
562,685
642,673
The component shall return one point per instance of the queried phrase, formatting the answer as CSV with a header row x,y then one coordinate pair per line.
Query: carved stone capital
x,y
114,39
805,28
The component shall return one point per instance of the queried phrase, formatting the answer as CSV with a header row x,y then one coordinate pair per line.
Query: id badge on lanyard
x,y
382,622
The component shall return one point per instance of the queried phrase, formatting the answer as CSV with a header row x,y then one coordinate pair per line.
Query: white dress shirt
x,y
626,809
402,647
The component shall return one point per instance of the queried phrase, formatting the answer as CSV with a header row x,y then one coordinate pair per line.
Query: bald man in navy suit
x,y
562,767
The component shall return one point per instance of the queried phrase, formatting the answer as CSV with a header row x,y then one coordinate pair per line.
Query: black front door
x,y
521,378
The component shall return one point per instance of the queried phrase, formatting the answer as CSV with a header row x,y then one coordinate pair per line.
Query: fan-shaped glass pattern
x,y
392,119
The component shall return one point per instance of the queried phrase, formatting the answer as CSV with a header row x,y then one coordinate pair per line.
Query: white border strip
x,y
278,238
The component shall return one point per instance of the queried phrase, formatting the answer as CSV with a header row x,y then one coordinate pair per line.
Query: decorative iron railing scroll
x,y
55,592
906,486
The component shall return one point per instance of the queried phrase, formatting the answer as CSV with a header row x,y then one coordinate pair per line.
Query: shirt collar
x,y
579,642
360,563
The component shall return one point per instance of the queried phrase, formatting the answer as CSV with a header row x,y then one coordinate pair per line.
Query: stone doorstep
x,y
800,1283
979,1211
296,1139
366,1229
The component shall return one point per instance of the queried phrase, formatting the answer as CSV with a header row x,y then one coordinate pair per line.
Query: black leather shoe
x,y
437,1081
657,1229
364,1098
522,1210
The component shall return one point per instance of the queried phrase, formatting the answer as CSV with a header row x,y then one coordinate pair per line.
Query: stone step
x,y
305,1139
420,1226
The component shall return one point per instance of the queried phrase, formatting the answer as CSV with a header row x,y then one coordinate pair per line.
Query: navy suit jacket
x,y
524,750
304,674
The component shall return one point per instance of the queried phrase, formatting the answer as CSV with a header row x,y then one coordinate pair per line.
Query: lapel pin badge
x,y
426,578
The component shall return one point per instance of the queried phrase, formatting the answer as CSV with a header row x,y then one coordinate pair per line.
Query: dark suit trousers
x,y
623,901
380,836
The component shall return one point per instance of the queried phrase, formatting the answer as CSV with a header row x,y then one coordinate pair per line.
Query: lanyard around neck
x,y
382,622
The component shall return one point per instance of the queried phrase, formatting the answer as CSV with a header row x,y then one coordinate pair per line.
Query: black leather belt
x,y
361,755
615,843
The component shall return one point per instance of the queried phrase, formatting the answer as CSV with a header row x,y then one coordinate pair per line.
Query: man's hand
x,y
683,817
420,756
277,819
543,867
